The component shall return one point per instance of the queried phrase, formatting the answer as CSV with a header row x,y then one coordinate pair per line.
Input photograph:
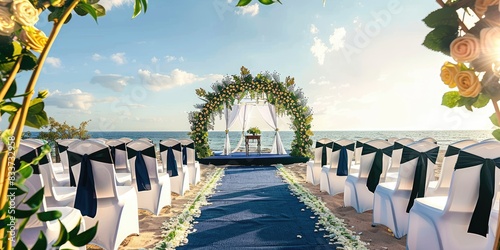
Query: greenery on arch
x,y
284,96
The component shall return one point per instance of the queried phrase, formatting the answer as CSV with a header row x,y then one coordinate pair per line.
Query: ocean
x,y
216,138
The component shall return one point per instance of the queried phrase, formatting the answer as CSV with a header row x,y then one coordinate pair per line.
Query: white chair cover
x,y
189,159
171,157
357,153
115,207
119,155
442,185
158,195
322,156
333,177
461,220
70,216
393,200
375,159
397,150
61,147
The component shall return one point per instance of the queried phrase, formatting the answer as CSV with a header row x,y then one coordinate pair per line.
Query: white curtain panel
x,y
230,116
271,118
244,115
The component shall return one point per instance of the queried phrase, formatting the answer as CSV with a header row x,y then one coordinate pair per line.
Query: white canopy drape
x,y
230,116
268,112
244,115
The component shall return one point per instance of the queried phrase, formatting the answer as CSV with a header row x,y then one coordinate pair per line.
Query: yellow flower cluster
x,y
466,80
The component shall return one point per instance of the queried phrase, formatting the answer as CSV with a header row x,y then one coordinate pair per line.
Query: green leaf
x,y
21,214
25,170
10,107
74,232
49,215
450,99
496,134
443,16
63,235
145,5
137,8
8,54
494,119
12,90
36,106
56,14
440,39
36,199
243,2
29,61
481,101
266,2
37,120
85,237
85,7
41,243
21,246
21,189
100,10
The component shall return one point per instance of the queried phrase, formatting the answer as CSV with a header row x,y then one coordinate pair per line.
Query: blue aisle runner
x,y
254,209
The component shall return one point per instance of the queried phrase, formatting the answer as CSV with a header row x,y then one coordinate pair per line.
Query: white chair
x,y
392,200
125,139
463,219
61,147
429,139
55,196
115,207
333,177
322,156
58,179
189,159
171,157
442,185
392,139
70,216
119,155
357,154
359,187
153,189
397,150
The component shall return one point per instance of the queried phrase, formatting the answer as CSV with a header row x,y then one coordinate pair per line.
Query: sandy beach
x,y
378,237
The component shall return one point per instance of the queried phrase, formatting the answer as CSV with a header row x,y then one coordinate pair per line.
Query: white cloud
x,y
251,10
114,82
170,58
154,59
97,57
321,81
73,99
319,50
181,59
54,62
177,77
337,39
314,30
109,4
119,58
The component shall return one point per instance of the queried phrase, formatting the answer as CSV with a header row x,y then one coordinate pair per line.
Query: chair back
x,y
188,148
392,139
44,167
449,161
367,159
150,161
408,168
349,146
119,154
176,149
397,150
103,172
429,139
323,151
61,147
358,149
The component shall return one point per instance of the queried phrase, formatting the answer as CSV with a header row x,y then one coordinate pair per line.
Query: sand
x,y
378,237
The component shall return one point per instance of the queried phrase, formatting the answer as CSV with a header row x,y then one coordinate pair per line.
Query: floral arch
x,y
284,96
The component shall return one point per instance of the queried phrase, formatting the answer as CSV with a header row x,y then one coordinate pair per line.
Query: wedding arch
x,y
282,97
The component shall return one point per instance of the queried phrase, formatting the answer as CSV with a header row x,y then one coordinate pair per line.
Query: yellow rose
x,y
7,25
468,83
33,38
465,48
24,12
448,73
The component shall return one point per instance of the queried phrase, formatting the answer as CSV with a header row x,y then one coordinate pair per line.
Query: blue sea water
x,y
216,138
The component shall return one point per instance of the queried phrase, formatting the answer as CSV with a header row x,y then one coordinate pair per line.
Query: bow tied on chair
x,y
62,148
451,151
359,144
86,198
28,157
342,168
480,217
113,150
184,152
141,170
397,146
324,158
376,169
171,162
419,179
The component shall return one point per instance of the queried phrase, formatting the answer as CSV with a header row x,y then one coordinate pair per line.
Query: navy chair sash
x,y
480,217
419,184
342,168
359,144
61,148
171,162
86,198
113,150
141,170
184,152
397,145
324,158
376,169
28,157
451,150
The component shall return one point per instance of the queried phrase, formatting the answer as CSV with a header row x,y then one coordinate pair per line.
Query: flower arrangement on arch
x,y
475,71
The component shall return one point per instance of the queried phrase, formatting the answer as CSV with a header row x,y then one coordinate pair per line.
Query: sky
x,y
360,64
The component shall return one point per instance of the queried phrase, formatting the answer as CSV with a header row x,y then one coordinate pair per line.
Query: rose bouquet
x,y
475,49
